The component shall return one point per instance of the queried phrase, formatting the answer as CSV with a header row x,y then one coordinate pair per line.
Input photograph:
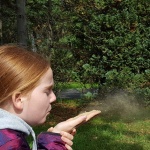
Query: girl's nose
x,y
52,97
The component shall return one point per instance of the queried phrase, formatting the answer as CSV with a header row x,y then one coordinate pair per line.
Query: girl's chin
x,y
42,120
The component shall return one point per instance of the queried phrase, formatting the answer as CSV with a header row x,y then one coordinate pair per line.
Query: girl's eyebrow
x,y
49,87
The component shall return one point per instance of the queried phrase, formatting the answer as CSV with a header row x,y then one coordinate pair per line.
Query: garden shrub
x,y
110,42
126,80
90,41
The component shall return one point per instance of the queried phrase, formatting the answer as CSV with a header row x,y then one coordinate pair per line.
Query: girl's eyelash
x,y
47,93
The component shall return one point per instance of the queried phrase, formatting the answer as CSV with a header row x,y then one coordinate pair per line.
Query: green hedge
x,y
108,38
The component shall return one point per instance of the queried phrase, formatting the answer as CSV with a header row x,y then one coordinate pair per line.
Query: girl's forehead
x,y
47,78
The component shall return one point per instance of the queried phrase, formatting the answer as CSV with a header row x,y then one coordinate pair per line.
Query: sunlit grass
x,y
115,135
75,85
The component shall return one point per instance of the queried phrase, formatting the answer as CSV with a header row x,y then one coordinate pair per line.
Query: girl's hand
x,y
68,128
72,123
66,137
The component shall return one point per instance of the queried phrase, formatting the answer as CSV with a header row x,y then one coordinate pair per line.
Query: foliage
x,y
9,21
114,32
89,41
133,83
110,37
62,69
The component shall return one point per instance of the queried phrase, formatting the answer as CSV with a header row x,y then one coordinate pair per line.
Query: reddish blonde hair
x,y
20,70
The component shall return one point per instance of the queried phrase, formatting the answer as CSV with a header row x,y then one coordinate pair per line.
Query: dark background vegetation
x,y
103,42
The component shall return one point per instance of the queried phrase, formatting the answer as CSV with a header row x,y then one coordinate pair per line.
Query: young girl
x,y
26,94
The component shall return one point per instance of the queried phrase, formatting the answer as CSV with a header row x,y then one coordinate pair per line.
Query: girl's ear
x,y
17,100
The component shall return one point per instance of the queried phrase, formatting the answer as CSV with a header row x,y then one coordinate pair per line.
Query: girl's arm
x,y
11,139
49,140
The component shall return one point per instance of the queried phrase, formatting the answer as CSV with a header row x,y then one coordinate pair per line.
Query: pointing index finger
x,y
77,120
89,115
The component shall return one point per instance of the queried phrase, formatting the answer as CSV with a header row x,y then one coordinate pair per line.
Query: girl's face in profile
x,y
37,105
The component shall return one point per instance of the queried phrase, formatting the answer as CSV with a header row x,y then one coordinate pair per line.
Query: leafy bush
x,y
137,84
110,42
91,41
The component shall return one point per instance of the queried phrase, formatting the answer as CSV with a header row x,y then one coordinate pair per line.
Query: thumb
x,y
50,129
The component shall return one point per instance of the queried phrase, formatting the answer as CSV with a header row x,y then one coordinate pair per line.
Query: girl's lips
x,y
49,111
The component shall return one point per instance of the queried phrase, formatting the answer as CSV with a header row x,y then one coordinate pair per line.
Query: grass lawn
x,y
75,85
105,132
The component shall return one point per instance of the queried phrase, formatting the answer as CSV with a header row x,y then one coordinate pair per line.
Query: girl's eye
x,y
47,93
